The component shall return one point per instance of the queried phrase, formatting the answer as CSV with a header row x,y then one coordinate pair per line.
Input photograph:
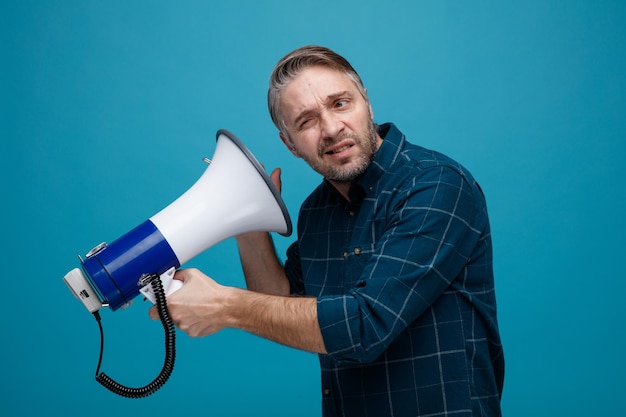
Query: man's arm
x,y
261,267
203,307
267,310
291,321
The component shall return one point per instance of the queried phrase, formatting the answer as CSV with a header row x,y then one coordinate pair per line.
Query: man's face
x,y
329,124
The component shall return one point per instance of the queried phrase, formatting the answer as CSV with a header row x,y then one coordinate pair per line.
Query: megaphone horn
x,y
233,196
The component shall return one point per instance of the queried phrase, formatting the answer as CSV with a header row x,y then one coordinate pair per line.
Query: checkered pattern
x,y
404,280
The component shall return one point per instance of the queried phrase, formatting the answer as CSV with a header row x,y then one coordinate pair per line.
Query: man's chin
x,y
347,174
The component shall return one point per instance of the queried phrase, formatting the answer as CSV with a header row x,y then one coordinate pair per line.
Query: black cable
x,y
170,351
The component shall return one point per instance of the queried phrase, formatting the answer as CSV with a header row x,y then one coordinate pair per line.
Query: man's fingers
x,y
153,313
275,177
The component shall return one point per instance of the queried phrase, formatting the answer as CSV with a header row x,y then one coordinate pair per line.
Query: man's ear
x,y
289,144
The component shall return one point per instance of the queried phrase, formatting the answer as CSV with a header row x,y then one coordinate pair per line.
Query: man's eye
x,y
341,103
306,123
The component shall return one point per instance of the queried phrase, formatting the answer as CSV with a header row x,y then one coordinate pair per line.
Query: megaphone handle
x,y
169,284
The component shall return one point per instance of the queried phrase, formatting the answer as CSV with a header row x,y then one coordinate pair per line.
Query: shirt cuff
x,y
338,318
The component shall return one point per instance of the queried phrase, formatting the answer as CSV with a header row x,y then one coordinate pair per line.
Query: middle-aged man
x,y
390,279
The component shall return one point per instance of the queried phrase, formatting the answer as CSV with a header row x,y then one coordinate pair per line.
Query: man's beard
x,y
354,169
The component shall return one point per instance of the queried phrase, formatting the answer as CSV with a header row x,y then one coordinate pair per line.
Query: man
x,y
390,279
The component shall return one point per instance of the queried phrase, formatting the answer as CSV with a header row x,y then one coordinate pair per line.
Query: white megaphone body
x,y
232,197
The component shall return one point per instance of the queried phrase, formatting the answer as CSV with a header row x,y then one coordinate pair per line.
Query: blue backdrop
x,y
109,107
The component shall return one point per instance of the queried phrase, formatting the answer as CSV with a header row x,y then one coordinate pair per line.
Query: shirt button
x,y
351,213
345,255
326,392
357,251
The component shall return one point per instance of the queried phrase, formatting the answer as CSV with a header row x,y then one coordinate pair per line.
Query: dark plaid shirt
x,y
404,279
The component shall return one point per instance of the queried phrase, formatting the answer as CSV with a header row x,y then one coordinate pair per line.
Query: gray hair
x,y
292,64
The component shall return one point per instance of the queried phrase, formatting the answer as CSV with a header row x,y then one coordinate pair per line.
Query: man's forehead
x,y
319,77
313,86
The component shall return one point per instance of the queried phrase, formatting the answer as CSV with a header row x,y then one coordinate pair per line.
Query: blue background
x,y
108,108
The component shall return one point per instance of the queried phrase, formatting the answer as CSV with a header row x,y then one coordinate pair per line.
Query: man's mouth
x,y
338,149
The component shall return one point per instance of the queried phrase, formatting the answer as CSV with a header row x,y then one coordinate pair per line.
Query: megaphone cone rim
x,y
257,165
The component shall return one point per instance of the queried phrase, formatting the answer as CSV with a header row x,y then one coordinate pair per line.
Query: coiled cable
x,y
170,351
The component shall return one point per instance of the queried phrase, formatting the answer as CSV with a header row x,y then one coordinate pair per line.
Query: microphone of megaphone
x,y
233,196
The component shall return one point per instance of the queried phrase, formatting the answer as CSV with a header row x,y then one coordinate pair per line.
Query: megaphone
x,y
232,197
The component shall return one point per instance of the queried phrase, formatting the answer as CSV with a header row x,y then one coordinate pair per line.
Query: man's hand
x,y
195,308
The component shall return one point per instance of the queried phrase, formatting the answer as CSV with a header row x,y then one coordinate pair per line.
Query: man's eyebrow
x,y
338,95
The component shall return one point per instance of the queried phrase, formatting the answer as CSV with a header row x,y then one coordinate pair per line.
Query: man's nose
x,y
331,124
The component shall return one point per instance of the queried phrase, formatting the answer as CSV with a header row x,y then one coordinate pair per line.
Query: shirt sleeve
x,y
432,226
